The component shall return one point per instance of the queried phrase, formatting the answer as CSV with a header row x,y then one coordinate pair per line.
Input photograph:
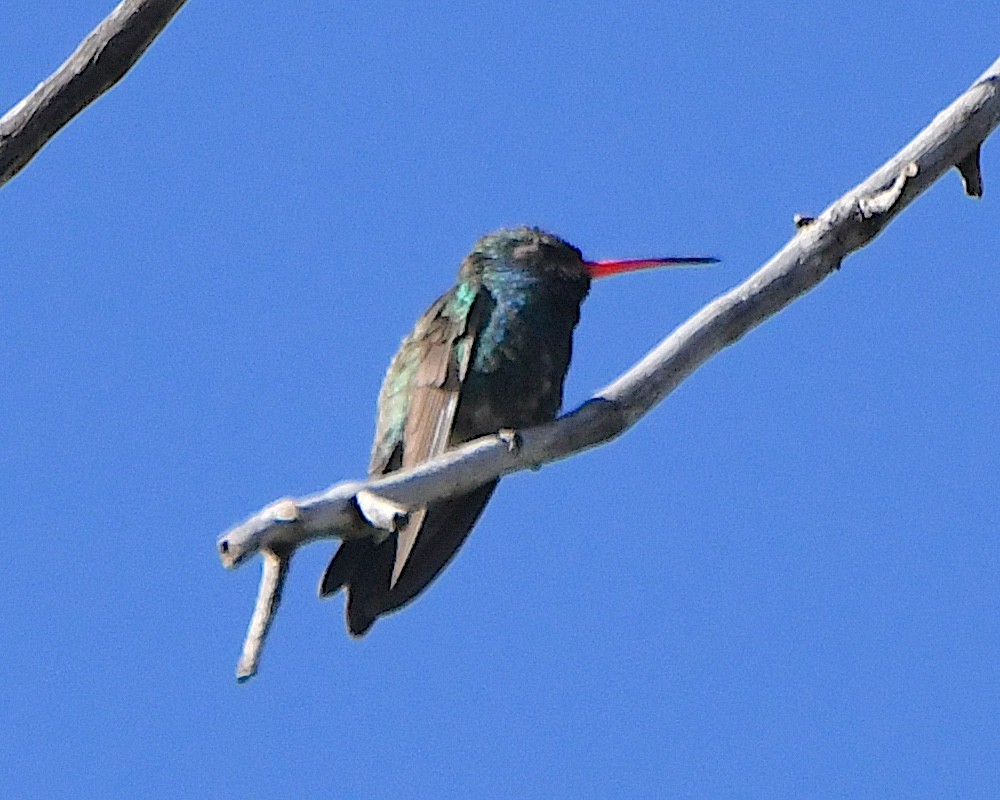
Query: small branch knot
x,y
383,515
972,176
285,510
879,204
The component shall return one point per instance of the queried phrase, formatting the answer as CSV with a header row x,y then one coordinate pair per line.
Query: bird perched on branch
x,y
490,354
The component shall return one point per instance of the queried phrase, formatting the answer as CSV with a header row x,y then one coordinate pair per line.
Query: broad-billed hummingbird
x,y
490,354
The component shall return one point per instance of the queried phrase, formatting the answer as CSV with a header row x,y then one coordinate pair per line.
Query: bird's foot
x,y
511,438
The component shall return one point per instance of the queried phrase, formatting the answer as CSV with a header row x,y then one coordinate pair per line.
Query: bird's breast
x,y
520,359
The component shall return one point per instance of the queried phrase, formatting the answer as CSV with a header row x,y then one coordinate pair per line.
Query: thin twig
x,y
272,581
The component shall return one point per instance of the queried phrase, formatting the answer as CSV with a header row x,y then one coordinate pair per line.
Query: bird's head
x,y
526,250
532,250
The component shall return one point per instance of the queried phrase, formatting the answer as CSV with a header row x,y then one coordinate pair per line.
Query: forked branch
x,y
361,508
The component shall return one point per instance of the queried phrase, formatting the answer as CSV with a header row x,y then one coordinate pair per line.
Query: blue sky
x,y
784,582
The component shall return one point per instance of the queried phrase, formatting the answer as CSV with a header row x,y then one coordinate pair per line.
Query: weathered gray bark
x,y
101,60
952,139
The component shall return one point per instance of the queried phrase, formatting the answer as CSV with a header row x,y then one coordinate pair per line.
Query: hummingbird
x,y
490,354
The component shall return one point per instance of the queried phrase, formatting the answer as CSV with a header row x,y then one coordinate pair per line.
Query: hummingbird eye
x,y
561,254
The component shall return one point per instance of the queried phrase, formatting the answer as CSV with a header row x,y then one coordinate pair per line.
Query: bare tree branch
x,y
101,60
272,581
819,246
